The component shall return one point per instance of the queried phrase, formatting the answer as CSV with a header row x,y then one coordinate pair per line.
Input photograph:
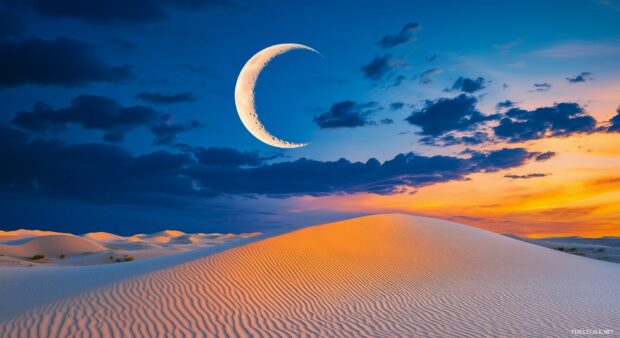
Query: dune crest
x,y
50,245
384,275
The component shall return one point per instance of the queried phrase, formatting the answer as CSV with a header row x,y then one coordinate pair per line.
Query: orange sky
x,y
579,196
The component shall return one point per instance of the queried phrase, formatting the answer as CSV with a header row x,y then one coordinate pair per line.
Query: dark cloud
x,y
166,131
310,177
387,121
524,177
90,112
398,80
228,157
425,76
451,139
505,104
433,58
166,98
347,114
542,87
581,77
381,67
98,173
562,119
108,174
10,25
64,62
396,106
448,114
116,11
501,159
545,156
405,35
102,113
468,85
615,122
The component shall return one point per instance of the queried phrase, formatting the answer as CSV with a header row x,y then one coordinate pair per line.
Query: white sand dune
x,y
17,248
103,236
50,245
376,276
23,233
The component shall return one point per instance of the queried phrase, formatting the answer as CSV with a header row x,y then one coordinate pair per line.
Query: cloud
x,y
380,67
506,47
64,61
101,113
387,121
425,76
228,157
398,80
469,86
614,126
542,87
581,49
97,173
562,119
90,112
117,11
545,156
396,106
448,114
10,25
504,104
406,34
166,98
310,177
451,139
108,174
347,114
581,77
166,131
501,159
525,177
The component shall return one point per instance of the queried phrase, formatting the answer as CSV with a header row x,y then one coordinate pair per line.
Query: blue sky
x,y
198,47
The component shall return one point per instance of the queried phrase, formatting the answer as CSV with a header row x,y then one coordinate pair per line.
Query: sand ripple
x,y
376,276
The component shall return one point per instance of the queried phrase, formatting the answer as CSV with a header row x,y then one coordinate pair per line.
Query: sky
x,y
119,116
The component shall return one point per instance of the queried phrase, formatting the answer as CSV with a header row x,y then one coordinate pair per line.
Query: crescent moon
x,y
245,90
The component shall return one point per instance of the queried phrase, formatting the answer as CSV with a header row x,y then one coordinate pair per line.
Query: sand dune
x,y
376,276
23,233
50,245
17,248
103,236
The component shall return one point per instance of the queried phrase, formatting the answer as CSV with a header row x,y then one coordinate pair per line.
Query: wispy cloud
x,y
580,48
506,47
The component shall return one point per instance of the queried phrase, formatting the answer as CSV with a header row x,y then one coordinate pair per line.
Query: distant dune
x,y
50,245
375,276
35,248
603,248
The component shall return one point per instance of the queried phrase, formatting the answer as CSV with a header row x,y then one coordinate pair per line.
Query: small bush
x,y
128,259
37,257
601,250
572,249
118,260
561,248
62,256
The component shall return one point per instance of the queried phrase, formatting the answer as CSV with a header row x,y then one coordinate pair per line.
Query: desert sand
x,y
35,248
603,248
375,276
